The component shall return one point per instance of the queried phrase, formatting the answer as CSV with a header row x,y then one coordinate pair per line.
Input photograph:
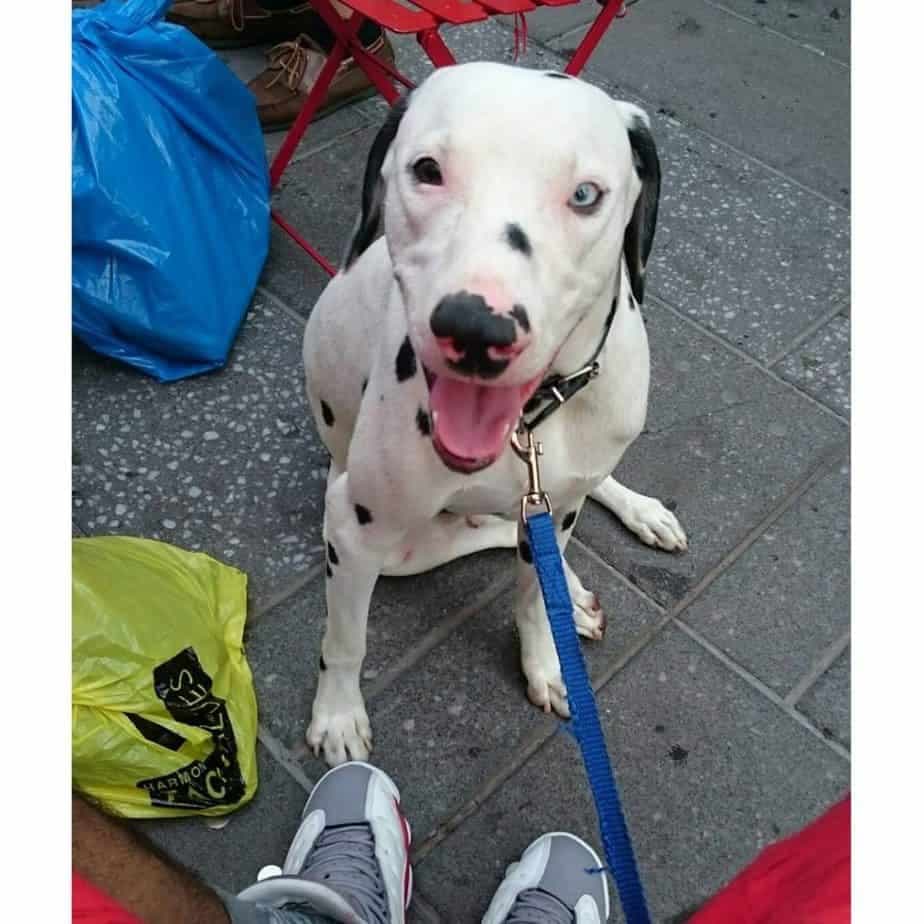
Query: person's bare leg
x,y
115,859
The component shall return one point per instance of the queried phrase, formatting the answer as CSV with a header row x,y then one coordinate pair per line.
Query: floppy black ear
x,y
641,228
373,184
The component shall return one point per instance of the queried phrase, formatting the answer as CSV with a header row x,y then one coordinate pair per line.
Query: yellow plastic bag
x,y
164,715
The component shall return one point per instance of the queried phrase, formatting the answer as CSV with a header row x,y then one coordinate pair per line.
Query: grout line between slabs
x,y
786,38
438,634
827,658
284,757
808,332
281,305
592,553
746,357
823,466
262,607
760,687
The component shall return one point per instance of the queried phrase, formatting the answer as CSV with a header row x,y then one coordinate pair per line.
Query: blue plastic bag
x,y
170,192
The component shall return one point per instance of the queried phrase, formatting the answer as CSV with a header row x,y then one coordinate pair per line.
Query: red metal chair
x,y
423,21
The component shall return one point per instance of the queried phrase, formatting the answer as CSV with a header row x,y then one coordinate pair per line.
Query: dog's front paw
x,y
545,689
654,524
342,732
589,618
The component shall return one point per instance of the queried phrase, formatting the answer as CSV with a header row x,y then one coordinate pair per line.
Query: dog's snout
x,y
474,338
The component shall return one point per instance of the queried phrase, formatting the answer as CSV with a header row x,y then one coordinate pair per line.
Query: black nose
x,y
473,338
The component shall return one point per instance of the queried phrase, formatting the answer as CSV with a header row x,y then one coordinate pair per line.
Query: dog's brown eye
x,y
427,171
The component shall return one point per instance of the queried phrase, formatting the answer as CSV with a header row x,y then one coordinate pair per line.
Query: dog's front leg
x,y
358,543
538,656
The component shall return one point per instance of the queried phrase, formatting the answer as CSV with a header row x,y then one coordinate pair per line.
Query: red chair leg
x,y
434,46
614,9
328,268
315,98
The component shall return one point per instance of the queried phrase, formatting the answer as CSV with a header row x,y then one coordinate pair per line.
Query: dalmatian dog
x,y
519,209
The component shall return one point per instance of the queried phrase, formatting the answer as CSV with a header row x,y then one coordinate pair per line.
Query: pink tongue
x,y
472,421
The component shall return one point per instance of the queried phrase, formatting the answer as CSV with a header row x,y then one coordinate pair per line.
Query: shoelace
x,y
533,906
236,13
291,60
344,859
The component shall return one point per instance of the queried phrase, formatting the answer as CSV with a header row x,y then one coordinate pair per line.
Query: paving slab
x,y
827,703
709,771
787,599
820,366
283,645
820,24
226,463
724,443
748,86
752,257
447,725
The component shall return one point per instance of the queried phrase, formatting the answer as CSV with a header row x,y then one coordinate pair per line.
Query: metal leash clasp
x,y
528,448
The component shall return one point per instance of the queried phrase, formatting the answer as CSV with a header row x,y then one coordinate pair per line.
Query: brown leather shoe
x,y
281,89
238,23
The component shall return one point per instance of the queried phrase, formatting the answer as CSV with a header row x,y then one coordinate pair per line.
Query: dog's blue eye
x,y
427,171
586,196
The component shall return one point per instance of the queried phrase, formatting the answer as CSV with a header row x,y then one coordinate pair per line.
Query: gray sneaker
x,y
350,858
558,880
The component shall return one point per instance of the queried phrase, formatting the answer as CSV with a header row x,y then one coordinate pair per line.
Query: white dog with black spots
x,y
519,210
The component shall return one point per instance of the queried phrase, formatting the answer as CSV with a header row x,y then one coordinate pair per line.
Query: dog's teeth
x,y
433,417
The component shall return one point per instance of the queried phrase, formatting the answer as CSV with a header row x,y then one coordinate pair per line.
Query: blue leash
x,y
585,721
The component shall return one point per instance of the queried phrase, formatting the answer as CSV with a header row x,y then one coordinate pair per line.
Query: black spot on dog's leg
x,y
568,521
518,313
526,553
517,239
322,664
423,422
363,514
406,361
332,555
327,414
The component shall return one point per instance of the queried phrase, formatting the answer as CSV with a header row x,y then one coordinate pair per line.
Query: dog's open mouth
x,y
471,421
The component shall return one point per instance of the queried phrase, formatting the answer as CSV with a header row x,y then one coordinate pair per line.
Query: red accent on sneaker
x,y
406,829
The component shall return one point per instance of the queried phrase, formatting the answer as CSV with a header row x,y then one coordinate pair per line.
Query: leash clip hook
x,y
528,448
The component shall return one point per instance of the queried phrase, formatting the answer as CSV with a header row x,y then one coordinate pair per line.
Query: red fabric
x,y
90,906
804,879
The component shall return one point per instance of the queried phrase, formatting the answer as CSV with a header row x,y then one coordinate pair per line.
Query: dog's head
x,y
509,199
